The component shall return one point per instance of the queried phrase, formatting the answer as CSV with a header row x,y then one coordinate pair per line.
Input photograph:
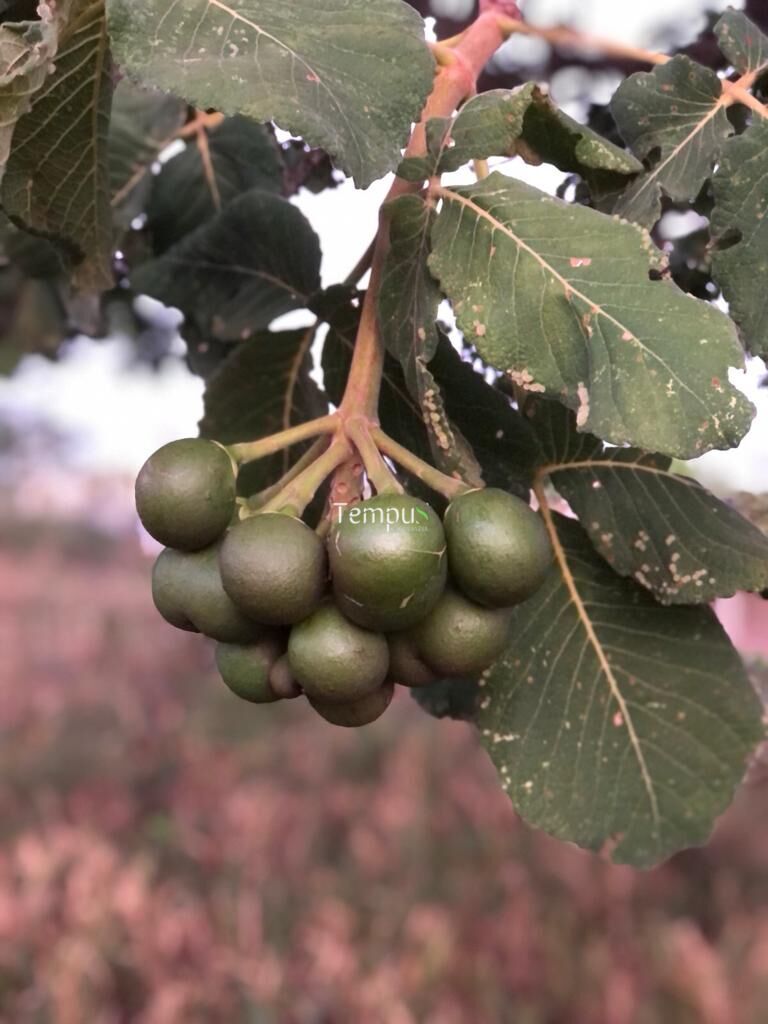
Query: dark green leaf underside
x,y
231,277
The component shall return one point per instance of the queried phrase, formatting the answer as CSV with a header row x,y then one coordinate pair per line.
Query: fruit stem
x,y
454,81
249,451
378,472
257,501
294,498
443,484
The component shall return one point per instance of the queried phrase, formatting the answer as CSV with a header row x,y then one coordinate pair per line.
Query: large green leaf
x,y
667,531
742,42
675,118
231,277
143,123
739,225
347,75
214,168
615,723
57,177
560,298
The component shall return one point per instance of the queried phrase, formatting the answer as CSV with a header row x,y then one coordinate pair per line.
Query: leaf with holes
x,y
143,123
739,225
674,117
57,177
665,530
616,723
256,260
742,42
216,167
348,75
559,297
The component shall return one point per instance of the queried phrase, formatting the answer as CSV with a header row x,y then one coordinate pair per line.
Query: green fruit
x,y
282,680
245,669
334,660
274,568
357,712
188,593
388,562
185,493
405,665
498,549
458,637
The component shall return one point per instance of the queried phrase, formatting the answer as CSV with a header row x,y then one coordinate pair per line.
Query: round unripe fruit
x,y
405,664
282,680
245,669
188,593
274,568
498,549
459,637
185,493
334,660
357,712
388,561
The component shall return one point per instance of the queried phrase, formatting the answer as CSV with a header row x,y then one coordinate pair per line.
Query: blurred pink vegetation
x,y
171,855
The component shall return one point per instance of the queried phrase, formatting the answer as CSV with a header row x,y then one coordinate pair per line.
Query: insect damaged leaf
x,y
665,530
56,179
616,723
742,42
347,75
675,119
739,224
560,298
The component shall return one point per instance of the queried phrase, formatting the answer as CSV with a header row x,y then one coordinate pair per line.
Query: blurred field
x,y
171,855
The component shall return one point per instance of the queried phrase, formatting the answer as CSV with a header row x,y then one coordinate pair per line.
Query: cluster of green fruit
x,y
391,595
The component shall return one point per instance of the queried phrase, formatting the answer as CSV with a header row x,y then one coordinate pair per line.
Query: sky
x,y
117,413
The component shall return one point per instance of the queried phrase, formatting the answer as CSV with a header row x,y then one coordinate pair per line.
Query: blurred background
x,y
170,855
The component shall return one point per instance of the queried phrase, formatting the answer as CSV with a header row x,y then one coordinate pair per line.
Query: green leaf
x,y
615,723
408,304
739,225
27,51
57,177
347,75
501,439
559,297
262,387
215,167
525,122
231,277
409,295
742,42
675,118
449,698
143,123
665,530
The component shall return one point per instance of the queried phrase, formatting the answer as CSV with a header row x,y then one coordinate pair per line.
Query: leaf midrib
x,y
568,288
594,641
